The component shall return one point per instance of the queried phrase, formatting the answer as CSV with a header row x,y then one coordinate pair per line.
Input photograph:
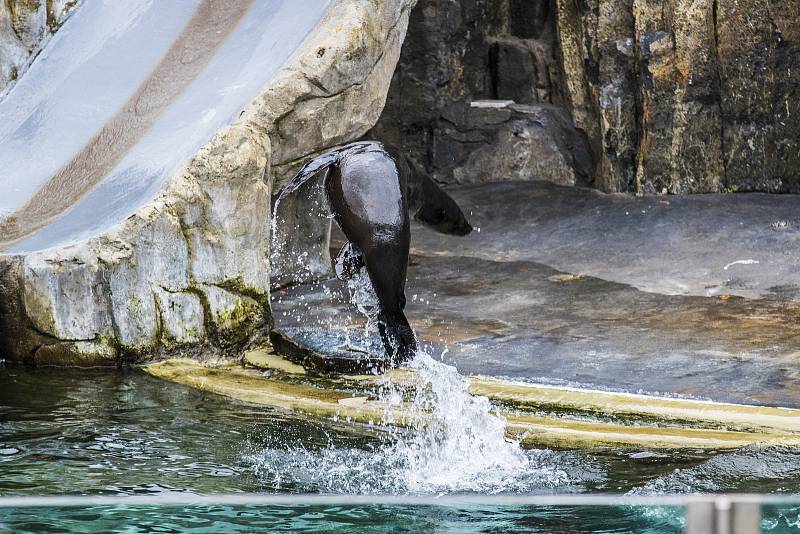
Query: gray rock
x,y
679,96
716,88
462,51
528,18
495,141
182,318
189,271
538,144
513,68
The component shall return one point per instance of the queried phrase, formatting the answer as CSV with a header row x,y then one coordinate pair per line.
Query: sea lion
x,y
366,186
427,201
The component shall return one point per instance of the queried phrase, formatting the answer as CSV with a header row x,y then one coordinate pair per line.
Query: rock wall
x,y
694,95
462,51
189,272
25,26
674,96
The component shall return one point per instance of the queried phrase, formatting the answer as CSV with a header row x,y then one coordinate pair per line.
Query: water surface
x,y
107,432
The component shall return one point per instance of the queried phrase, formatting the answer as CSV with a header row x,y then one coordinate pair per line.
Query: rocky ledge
x,y
188,273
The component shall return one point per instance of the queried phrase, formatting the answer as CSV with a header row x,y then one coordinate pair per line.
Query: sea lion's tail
x,y
397,336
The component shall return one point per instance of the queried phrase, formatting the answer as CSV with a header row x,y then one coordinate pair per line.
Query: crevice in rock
x,y
158,335
239,288
212,333
56,340
316,83
723,148
638,106
190,252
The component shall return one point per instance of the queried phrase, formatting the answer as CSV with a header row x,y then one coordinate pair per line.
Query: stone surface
x,y
324,352
25,27
533,143
321,398
182,318
568,286
203,243
678,96
461,51
707,92
513,68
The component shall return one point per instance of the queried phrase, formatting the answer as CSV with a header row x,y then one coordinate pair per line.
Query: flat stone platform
x,y
693,296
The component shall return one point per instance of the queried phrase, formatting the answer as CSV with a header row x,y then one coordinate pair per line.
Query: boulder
x,y
189,271
492,141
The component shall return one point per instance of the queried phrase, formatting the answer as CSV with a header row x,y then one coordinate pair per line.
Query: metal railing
x,y
704,514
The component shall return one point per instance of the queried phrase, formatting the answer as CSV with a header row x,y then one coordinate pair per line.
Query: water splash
x,y
459,443
378,470
299,248
456,442
363,297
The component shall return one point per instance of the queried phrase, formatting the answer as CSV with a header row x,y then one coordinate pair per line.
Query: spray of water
x,y
363,297
456,442
457,445
298,240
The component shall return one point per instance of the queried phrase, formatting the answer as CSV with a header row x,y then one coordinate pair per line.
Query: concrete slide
x,y
123,94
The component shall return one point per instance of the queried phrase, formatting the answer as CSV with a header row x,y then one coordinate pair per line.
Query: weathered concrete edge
x,y
320,399
188,273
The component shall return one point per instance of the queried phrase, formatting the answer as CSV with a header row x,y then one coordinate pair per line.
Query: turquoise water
x,y
383,518
124,433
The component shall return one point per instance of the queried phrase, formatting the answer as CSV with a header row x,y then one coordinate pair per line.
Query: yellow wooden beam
x,y
249,385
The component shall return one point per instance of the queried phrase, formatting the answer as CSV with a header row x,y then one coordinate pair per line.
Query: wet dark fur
x,y
370,190
428,202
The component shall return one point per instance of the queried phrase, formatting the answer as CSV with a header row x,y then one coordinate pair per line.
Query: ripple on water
x,y
751,469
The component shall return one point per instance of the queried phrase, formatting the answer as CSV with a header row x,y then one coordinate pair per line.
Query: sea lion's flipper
x,y
348,262
308,171
431,205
